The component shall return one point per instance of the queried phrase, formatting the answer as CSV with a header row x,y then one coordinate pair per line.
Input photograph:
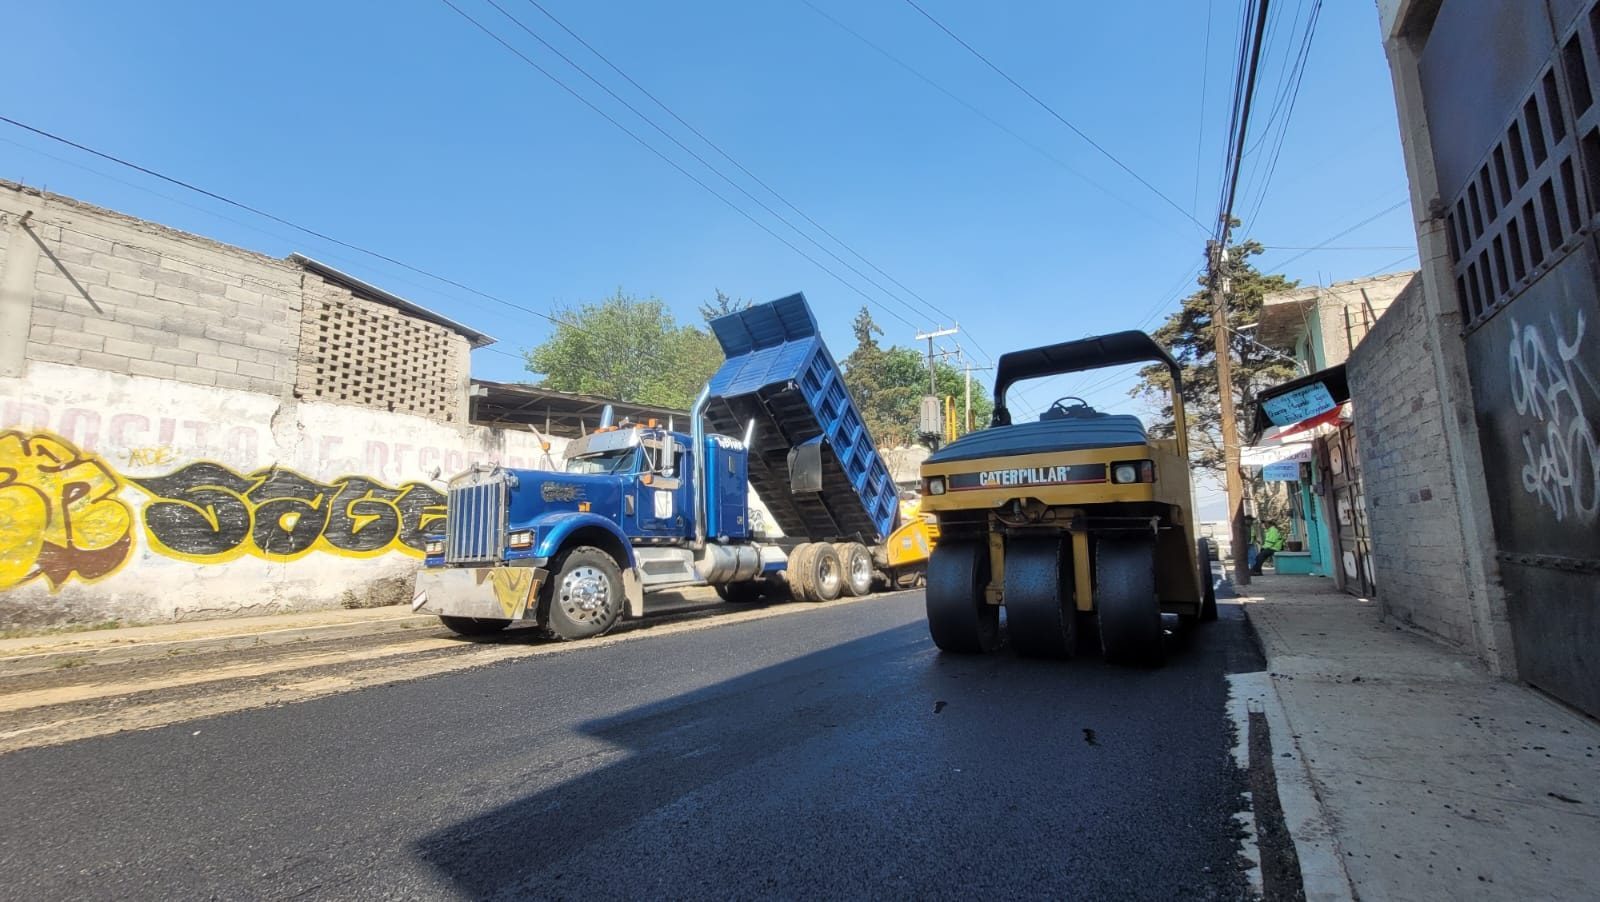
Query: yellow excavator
x,y
1079,524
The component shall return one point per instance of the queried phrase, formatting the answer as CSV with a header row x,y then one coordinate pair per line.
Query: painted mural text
x,y
60,517
1551,385
206,512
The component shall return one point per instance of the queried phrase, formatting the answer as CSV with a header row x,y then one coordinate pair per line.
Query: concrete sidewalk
x,y
1432,778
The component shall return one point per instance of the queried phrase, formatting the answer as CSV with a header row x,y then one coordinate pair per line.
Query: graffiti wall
x,y
144,499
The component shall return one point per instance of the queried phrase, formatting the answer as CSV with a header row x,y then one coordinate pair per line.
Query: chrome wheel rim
x,y
828,574
585,594
860,570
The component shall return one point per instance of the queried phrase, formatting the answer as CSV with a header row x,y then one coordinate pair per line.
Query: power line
x,y
304,229
1060,118
671,162
1205,81
1297,75
725,155
1317,247
1388,267
976,111
698,158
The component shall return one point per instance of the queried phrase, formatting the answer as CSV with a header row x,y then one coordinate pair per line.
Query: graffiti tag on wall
x,y
60,516
1561,465
208,513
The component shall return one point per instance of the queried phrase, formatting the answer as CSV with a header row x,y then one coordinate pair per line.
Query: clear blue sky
x,y
410,132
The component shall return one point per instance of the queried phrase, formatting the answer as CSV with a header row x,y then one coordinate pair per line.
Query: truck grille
x,y
475,518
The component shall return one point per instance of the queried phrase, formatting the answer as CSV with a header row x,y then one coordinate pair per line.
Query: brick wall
x,y
1417,542
357,351
115,293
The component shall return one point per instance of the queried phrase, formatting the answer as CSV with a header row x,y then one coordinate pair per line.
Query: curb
x,y
1316,843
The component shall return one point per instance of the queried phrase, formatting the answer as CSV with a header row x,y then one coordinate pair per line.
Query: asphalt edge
x,y
1316,843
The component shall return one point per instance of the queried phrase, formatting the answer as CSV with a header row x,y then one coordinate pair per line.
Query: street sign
x,y
1298,404
1281,471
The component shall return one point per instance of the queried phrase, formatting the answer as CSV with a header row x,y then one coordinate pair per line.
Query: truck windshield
x,y
618,461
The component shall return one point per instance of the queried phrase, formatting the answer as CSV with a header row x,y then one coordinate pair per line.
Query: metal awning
x,y
1300,399
552,412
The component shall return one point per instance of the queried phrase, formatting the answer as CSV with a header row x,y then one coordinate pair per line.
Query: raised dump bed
x,y
779,373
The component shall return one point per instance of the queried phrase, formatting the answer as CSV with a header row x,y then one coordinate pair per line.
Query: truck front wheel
x,y
585,598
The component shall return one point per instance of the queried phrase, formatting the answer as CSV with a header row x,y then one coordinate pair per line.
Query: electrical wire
x,y
726,156
1059,118
1205,81
1317,247
668,160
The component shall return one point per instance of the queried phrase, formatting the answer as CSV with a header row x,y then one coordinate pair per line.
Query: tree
x,y
888,385
722,305
1188,334
628,349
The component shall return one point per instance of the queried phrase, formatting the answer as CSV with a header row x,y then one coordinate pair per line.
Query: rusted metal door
x,y
1512,93
1351,549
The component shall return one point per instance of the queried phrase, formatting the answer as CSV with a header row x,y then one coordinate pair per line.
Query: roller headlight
x,y
1130,471
520,539
936,485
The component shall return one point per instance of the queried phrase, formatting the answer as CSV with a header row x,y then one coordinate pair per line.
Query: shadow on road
x,y
879,766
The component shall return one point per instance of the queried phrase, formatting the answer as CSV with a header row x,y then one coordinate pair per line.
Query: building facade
x,y
189,429
1501,135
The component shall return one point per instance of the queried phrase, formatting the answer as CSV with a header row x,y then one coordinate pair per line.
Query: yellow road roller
x,y
1079,524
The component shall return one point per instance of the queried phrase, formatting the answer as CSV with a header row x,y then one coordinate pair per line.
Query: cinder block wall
x,y
115,293
1406,466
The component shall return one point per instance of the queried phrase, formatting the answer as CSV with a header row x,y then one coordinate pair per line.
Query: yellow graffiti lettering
x,y
60,517
206,512
149,457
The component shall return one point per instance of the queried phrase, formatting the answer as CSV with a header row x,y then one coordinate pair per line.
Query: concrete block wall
x,y
114,293
1411,496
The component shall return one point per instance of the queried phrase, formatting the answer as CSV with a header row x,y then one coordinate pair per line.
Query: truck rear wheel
x,y
794,571
1125,598
585,598
960,619
823,574
473,626
856,561
1040,618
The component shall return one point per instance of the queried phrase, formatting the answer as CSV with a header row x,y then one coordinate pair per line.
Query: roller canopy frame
x,y
1101,351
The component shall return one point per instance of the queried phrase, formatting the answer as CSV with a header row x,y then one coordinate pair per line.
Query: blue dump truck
x,y
642,507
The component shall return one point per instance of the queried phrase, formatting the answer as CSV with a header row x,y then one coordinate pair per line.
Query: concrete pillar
x,y
16,296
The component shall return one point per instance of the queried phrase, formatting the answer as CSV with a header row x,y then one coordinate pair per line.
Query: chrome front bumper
x,y
488,593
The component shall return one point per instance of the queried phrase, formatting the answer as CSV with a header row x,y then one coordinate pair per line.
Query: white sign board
x,y
1282,471
1303,403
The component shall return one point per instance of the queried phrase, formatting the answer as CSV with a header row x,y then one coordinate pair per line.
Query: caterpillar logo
x,y
1076,474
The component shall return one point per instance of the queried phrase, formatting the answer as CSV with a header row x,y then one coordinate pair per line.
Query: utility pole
x,y
1217,264
931,419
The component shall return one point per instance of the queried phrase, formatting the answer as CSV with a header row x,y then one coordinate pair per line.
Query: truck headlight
x,y
434,546
520,539
936,485
1127,471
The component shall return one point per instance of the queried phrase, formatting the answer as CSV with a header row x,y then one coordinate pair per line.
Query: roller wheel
x,y
824,573
794,571
1125,596
474,626
960,619
1040,617
741,593
1208,582
856,561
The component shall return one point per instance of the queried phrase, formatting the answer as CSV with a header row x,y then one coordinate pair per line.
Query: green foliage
x,y
1188,334
888,385
629,349
722,305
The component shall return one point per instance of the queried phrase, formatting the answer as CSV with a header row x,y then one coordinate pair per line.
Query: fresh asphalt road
x,y
832,753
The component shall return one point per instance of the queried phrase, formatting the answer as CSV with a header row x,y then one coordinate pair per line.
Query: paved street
x,y
829,753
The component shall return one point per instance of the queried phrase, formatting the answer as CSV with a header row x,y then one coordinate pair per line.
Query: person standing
x,y
1271,544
